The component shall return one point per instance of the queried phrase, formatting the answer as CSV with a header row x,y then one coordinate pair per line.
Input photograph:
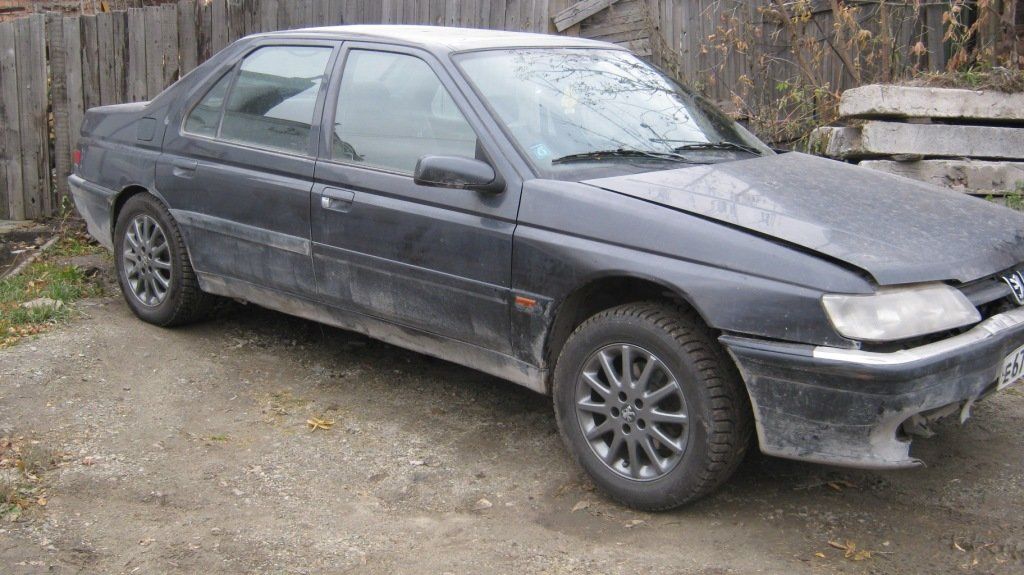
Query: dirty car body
x,y
854,305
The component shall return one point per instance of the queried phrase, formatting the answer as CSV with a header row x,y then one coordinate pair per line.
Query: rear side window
x,y
205,117
393,109
272,101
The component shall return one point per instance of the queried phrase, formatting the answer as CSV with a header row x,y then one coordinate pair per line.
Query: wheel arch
x,y
122,197
600,293
127,193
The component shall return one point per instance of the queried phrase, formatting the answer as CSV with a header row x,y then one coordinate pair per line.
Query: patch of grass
x,y
974,78
42,279
75,244
1013,199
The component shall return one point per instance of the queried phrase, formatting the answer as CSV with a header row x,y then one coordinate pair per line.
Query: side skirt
x,y
469,355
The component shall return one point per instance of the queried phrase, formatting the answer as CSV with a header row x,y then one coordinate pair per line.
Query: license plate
x,y
1013,369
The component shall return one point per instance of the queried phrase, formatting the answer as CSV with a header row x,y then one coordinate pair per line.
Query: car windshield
x,y
571,110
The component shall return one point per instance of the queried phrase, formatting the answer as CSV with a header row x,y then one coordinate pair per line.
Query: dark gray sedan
x,y
556,212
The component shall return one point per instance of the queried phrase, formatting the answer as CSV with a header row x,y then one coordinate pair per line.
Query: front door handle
x,y
337,200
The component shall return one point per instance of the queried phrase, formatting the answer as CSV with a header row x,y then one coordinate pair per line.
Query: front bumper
x,y
846,407
94,203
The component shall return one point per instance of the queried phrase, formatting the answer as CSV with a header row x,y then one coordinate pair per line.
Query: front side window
x,y
570,107
392,110
272,101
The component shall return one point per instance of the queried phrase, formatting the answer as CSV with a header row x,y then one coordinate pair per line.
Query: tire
x,y
182,301
683,459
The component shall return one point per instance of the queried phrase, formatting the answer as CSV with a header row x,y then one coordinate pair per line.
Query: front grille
x,y
991,295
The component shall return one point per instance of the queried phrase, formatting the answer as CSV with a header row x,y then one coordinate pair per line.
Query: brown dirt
x,y
186,451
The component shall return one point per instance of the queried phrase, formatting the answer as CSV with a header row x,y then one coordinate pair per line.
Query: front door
x,y
434,259
238,172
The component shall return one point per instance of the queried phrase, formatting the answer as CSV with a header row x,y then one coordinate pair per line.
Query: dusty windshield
x,y
573,110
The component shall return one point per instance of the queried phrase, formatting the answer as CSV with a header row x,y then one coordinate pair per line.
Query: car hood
x,y
896,229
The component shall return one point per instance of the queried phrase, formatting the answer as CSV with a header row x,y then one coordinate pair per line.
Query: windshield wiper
x,y
722,145
622,153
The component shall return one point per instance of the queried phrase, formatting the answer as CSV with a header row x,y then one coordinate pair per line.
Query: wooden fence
x,y
694,35
54,67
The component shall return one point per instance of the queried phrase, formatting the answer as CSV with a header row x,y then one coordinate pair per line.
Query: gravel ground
x,y
187,451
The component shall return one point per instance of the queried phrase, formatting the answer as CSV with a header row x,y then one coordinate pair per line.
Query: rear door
x,y
238,170
435,259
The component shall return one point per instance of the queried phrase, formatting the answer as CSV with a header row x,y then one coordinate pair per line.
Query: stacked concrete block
x,y
964,139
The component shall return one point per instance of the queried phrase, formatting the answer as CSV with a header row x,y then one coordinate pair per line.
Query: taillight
x,y
76,157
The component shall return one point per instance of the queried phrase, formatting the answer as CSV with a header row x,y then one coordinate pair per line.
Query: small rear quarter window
x,y
204,118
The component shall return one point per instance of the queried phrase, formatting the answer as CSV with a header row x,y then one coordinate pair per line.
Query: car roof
x,y
442,38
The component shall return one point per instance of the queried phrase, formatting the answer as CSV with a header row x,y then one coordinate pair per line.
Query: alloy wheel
x,y
632,412
146,260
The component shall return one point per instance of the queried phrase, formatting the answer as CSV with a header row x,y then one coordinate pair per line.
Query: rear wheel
x,y
153,268
650,406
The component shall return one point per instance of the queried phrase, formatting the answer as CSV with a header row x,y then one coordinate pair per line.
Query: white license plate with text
x,y
1013,369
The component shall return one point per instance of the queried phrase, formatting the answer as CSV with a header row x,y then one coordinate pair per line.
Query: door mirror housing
x,y
457,172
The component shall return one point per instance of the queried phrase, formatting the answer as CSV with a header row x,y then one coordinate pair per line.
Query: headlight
x,y
898,313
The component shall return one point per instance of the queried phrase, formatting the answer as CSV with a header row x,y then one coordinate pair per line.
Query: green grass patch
x,y
43,279
75,244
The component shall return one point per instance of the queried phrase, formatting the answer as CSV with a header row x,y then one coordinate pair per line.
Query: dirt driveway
x,y
187,451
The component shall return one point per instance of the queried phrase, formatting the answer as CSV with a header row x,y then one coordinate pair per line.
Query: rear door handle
x,y
337,200
184,168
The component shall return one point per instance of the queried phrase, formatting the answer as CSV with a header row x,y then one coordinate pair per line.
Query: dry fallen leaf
x,y
316,423
819,554
41,501
850,551
482,504
860,555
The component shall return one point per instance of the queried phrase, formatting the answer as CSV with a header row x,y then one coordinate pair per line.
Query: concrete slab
x,y
976,176
875,139
875,100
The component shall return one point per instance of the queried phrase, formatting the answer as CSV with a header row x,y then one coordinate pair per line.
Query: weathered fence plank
x,y
169,42
268,15
58,103
219,11
154,52
73,61
136,54
120,52
13,204
188,39
105,57
580,11
90,62
30,36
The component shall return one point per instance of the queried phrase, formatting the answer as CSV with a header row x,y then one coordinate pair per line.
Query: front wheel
x,y
153,268
650,406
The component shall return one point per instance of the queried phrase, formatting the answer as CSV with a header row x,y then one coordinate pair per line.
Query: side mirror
x,y
457,172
